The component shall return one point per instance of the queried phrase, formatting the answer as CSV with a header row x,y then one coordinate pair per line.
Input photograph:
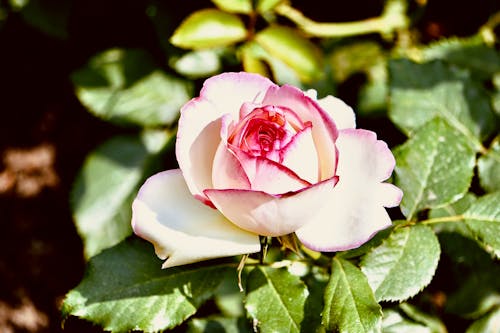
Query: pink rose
x,y
259,159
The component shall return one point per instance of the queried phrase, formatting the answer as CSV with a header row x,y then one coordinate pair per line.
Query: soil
x,y
45,135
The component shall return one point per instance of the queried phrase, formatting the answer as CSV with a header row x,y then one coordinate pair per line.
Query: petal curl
x,y
355,211
182,229
271,215
342,114
301,157
324,129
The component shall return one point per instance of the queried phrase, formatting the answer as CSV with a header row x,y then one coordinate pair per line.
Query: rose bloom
x,y
259,159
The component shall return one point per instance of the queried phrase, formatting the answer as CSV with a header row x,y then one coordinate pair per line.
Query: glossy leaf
x,y
275,300
234,6
403,264
434,167
289,46
208,28
102,194
420,92
125,289
123,87
454,209
350,305
488,167
483,218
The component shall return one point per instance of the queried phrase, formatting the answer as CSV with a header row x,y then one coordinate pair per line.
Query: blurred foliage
x,y
424,82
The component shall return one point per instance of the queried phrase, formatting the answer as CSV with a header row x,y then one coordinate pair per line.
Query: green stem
x,y
454,218
393,18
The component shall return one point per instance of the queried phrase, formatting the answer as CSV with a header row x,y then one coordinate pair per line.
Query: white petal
x,y
342,114
356,206
271,215
182,229
301,157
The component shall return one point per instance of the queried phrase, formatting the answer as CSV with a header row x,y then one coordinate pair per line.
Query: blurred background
x,y
46,133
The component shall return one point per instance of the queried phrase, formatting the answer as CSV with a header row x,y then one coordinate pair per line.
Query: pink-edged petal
x,y
300,156
356,206
268,176
342,114
271,215
229,91
324,129
182,229
228,172
198,137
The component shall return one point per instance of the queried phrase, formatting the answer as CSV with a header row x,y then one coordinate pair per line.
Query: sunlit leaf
x,y
289,46
106,185
197,64
267,5
420,92
433,323
453,209
483,218
488,324
394,322
234,6
219,324
403,264
275,299
350,305
123,86
434,167
208,28
488,167
125,289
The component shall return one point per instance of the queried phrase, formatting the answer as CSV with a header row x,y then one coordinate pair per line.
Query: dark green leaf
x,y
125,289
403,264
420,92
106,185
275,299
488,167
483,218
289,46
123,86
434,167
208,28
219,324
350,305
51,17
453,209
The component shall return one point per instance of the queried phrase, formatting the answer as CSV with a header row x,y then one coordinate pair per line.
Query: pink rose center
x,y
265,131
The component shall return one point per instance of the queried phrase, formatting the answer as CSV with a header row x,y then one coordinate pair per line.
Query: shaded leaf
x,y
394,322
483,218
488,167
403,264
275,299
125,289
433,323
123,86
434,167
51,17
453,209
350,305
289,46
420,92
208,28
219,324
488,324
103,191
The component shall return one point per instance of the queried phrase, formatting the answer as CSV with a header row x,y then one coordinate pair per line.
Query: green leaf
x,y
434,167
208,28
432,322
50,17
488,167
102,194
123,87
197,64
229,298
350,305
267,5
218,324
483,218
125,289
469,53
453,209
275,299
234,6
488,324
420,92
403,264
394,322
289,46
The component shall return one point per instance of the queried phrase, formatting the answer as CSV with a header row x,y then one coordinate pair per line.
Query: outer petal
x,y
271,215
182,229
229,91
355,211
324,129
342,114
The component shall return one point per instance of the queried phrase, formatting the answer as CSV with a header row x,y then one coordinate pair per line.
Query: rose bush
x,y
259,159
